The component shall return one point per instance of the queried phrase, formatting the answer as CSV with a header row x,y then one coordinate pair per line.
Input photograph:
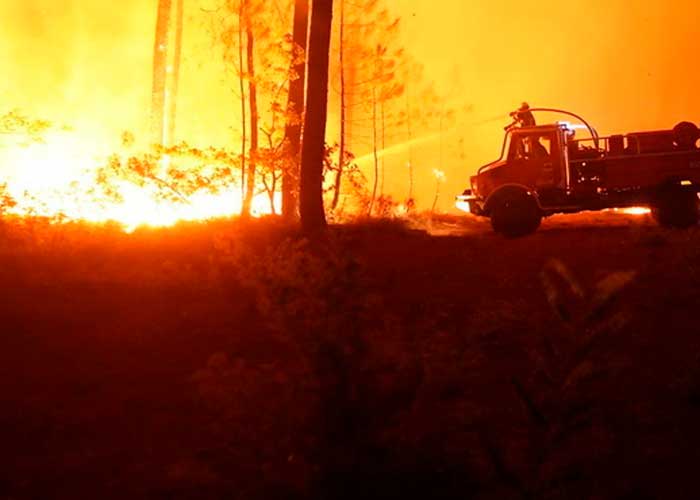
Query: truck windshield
x,y
505,147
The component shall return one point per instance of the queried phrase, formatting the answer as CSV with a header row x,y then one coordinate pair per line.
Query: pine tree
x,y
295,107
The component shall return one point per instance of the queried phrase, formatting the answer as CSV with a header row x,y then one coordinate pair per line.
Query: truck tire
x,y
686,135
676,208
516,214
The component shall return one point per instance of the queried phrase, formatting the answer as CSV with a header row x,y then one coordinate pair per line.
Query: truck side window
x,y
540,146
530,147
517,148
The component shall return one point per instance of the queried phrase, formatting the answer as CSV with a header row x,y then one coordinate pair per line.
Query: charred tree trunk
x,y
160,71
295,112
174,80
253,104
313,216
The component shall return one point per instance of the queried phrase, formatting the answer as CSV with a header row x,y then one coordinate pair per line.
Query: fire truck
x,y
546,169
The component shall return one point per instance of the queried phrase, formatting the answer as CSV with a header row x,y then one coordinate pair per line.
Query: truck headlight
x,y
463,206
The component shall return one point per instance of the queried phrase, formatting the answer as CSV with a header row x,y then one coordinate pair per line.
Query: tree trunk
x,y
174,80
410,150
437,197
374,152
343,108
241,88
253,104
271,195
313,216
383,146
160,71
295,111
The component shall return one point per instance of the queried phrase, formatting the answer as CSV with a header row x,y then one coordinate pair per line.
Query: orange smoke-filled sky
x,y
624,65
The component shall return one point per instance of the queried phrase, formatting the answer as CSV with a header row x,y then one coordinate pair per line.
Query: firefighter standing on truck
x,y
524,116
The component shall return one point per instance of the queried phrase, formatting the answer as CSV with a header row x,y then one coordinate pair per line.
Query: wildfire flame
x,y
56,178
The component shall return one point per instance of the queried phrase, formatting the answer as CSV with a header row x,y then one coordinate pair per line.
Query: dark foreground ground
x,y
229,361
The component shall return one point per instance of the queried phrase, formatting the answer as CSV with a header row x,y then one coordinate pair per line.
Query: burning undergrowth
x,y
52,171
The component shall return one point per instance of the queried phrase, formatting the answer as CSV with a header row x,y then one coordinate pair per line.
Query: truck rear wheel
x,y
676,208
515,215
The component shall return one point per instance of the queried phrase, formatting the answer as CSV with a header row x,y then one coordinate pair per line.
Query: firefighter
x,y
525,116
522,117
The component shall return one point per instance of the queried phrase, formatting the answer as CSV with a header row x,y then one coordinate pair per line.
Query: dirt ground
x,y
422,359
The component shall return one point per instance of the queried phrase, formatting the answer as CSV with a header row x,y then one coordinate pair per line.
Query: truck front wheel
x,y
676,208
515,215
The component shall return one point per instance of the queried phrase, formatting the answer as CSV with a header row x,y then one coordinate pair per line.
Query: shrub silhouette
x,y
561,411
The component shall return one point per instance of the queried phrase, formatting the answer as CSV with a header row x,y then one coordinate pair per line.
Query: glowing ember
x,y
401,210
634,210
439,175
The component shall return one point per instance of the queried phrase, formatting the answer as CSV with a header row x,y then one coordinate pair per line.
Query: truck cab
x,y
534,157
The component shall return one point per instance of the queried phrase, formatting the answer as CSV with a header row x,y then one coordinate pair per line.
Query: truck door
x,y
537,156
